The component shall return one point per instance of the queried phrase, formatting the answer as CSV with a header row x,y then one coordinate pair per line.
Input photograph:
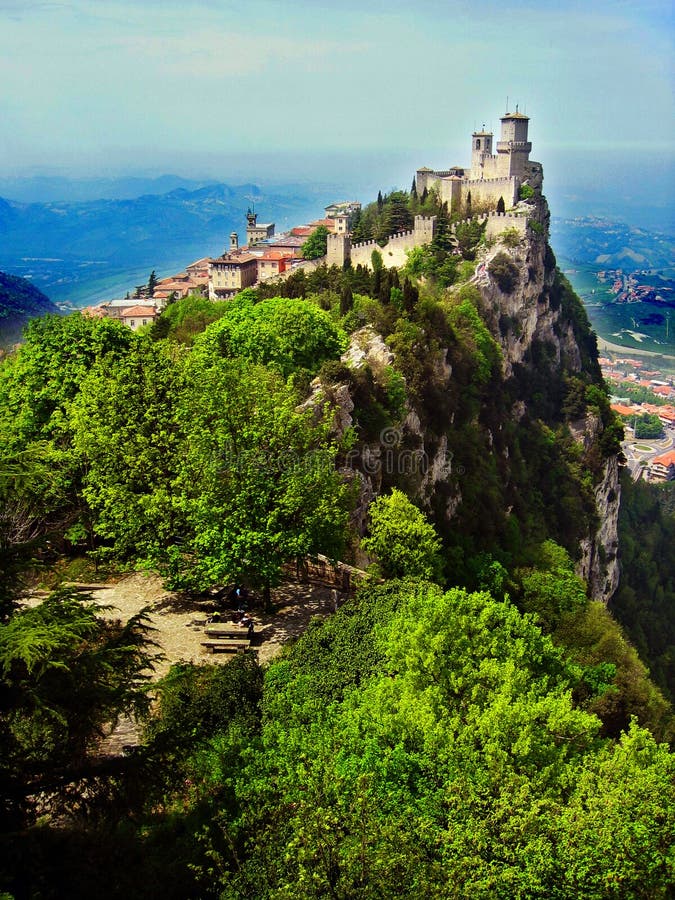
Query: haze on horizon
x,y
114,86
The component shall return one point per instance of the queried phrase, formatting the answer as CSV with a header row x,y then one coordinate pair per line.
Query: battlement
x,y
393,238
507,215
504,180
499,222
519,146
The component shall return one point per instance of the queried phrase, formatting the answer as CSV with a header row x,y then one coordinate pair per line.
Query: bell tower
x,y
481,151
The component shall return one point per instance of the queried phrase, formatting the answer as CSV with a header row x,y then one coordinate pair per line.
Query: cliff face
x,y
527,317
456,457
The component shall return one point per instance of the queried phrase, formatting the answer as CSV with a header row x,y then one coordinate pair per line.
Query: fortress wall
x,y
393,253
427,180
489,190
499,222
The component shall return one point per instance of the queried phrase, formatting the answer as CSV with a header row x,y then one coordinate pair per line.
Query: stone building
x,y
492,176
232,272
138,316
257,231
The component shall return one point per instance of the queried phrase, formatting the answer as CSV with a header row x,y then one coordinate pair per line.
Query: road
x,y
635,457
633,351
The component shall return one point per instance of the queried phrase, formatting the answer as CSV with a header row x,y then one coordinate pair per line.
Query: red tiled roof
x,y
94,312
623,410
200,263
138,312
666,459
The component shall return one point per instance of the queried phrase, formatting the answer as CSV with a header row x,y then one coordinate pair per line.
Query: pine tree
x,y
346,299
152,283
410,296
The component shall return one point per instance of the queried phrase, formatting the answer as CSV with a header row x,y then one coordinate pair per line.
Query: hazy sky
x,y
177,86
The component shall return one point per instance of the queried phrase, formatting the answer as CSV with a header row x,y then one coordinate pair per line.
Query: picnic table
x,y
217,646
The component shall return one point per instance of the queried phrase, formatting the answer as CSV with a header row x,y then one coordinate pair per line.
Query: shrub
x,y
504,271
510,237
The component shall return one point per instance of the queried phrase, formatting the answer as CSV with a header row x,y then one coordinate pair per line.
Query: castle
x,y
489,188
492,176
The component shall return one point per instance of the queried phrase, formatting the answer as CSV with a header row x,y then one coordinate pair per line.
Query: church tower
x,y
481,152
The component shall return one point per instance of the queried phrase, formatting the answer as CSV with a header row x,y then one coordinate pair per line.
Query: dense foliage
x,y
476,728
417,741
645,600
648,426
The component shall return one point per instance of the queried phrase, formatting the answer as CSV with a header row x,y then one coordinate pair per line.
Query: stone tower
x,y
481,152
338,249
513,150
234,242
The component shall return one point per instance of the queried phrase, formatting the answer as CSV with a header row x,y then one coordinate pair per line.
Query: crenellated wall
x,y
499,222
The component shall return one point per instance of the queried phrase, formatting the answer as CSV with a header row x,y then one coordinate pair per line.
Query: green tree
x,y
504,271
129,443
283,333
402,539
346,300
24,476
258,483
65,673
316,244
152,283
648,426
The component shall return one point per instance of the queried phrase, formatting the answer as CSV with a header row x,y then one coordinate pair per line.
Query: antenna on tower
x,y
507,103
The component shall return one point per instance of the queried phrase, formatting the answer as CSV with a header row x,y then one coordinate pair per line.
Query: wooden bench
x,y
227,646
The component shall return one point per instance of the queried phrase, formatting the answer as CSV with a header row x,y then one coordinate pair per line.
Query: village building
x,y
138,316
230,273
199,270
346,208
663,467
290,242
273,263
257,231
113,309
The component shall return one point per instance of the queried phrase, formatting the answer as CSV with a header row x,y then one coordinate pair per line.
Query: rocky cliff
x,y
504,433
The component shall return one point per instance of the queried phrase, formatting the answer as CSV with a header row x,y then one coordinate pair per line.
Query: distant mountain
x,y
19,302
84,252
50,188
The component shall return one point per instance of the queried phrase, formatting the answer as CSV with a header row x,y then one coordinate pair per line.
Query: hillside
x,y
19,301
469,715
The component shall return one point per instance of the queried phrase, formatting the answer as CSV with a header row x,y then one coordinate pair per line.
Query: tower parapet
x,y
513,150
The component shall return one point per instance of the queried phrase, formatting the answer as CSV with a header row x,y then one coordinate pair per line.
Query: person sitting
x,y
247,622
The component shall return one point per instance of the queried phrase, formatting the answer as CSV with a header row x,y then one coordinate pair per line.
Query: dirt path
x,y
179,640
171,616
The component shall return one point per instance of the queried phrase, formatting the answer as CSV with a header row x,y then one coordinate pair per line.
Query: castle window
x,y
478,144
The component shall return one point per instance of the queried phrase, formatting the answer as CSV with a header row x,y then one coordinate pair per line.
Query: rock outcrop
x,y
523,317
